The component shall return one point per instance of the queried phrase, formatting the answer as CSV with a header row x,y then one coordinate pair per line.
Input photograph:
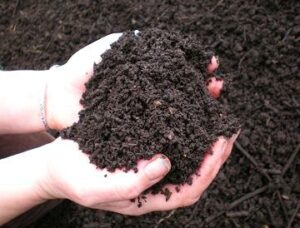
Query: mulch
x,y
256,41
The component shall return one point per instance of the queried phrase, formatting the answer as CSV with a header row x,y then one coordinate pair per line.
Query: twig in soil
x,y
52,37
195,209
192,219
290,161
247,155
236,225
213,217
216,6
273,223
196,222
282,206
273,171
286,35
164,218
247,196
240,63
234,214
16,7
293,216
237,202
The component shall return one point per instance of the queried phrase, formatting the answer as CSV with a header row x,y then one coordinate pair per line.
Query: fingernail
x,y
224,145
217,60
235,136
158,168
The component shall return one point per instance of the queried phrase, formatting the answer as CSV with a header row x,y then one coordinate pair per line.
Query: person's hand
x,y
67,83
72,176
206,173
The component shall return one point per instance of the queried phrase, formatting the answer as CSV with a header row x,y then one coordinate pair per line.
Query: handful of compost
x,y
153,92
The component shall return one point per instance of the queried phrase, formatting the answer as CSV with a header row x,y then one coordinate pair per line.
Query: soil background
x,y
258,41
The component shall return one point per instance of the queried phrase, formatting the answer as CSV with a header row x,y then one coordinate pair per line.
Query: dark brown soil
x,y
256,40
149,95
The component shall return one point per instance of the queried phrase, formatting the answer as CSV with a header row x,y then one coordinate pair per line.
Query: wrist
x,y
47,182
23,188
53,184
27,104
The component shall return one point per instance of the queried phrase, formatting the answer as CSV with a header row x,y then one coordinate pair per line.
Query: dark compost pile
x,y
149,95
256,41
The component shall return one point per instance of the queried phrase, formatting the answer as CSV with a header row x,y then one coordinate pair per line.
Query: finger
x,y
213,65
214,86
210,167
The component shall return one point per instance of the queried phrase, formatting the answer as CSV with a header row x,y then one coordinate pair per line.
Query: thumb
x,y
157,168
149,173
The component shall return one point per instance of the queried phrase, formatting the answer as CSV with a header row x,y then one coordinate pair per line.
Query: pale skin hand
x,y
82,182
67,173
114,191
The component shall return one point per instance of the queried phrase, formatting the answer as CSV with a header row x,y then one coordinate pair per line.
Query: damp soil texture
x,y
148,95
256,41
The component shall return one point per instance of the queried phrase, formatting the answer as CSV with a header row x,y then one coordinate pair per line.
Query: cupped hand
x,y
72,176
203,177
188,194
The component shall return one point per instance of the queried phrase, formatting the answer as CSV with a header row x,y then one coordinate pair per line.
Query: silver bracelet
x,y
42,113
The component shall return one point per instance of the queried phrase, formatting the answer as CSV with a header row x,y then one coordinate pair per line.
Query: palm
x,y
67,85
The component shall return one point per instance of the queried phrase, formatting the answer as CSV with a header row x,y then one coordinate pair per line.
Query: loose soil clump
x,y
148,96
256,41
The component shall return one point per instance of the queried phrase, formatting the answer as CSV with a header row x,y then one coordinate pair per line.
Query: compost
x,y
256,41
149,95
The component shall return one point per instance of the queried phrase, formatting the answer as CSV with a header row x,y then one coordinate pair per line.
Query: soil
x,y
149,95
258,41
